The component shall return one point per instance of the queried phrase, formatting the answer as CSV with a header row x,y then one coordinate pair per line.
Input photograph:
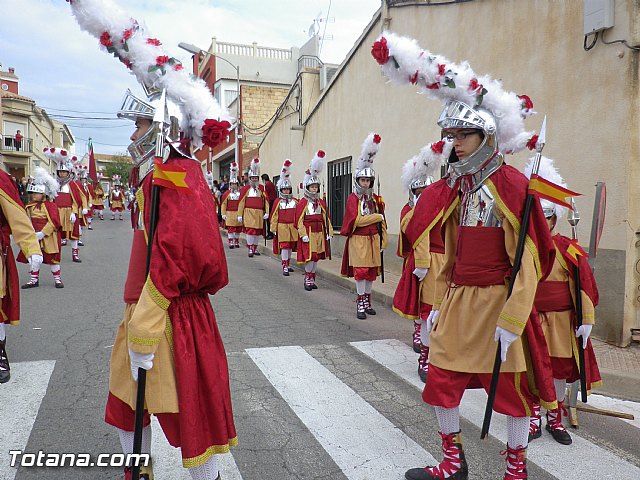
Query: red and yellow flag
x,y
550,191
169,176
574,251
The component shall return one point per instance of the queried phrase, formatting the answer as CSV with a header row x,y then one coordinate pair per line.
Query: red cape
x,y
404,247
587,279
348,226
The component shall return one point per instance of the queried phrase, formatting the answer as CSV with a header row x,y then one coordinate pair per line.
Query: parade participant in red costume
x,y
365,228
314,225
13,222
229,208
98,200
87,189
169,328
283,219
481,222
421,245
555,303
76,184
68,200
116,198
46,223
253,209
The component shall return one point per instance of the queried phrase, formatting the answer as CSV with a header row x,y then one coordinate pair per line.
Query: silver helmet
x,y
457,114
312,175
284,181
254,172
420,183
364,168
36,188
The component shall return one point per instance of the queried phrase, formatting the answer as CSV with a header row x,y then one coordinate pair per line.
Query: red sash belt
x,y
314,222
481,258
254,202
137,268
553,297
232,205
39,223
367,231
63,200
287,215
436,242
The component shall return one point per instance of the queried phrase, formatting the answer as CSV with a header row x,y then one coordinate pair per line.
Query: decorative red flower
x,y
74,158
531,144
376,139
433,86
127,34
321,153
154,41
380,51
105,40
63,153
437,147
287,163
214,132
414,78
177,67
52,150
161,60
474,86
127,63
526,102
44,149
441,69
256,160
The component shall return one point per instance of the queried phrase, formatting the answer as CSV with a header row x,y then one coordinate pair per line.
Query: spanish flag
x,y
550,191
169,176
574,251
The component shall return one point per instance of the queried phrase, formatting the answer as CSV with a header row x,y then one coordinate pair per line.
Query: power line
x,y
100,143
75,117
77,111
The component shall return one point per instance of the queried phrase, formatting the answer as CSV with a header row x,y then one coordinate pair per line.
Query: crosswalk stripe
x,y
560,461
167,461
362,442
21,399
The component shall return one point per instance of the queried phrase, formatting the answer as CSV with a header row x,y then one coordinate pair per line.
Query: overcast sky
x,y
63,69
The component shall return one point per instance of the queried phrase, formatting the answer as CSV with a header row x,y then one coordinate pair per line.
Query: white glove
x,y
140,360
224,217
506,339
427,326
73,217
39,235
584,331
329,238
85,211
90,205
382,250
240,219
420,273
305,239
266,216
35,261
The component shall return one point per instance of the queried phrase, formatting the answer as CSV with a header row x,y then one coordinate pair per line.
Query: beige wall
x,y
536,48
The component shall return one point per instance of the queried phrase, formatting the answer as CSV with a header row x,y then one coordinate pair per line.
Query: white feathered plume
x,y
315,167
59,156
138,50
404,62
549,172
233,172
426,163
42,177
369,150
285,173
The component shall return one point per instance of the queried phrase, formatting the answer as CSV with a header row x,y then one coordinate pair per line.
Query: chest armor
x,y
65,188
313,209
286,204
254,192
478,209
367,206
234,195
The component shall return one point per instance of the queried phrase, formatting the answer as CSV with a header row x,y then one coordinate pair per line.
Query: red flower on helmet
x,y
442,69
434,86
377,139
475,86
526,102
287,163
531,144
127,34
161,60
321,153
214,132
154,41
177,67
52,150
105,40
380,51
45,149
63,153
414,78
437,147
127,63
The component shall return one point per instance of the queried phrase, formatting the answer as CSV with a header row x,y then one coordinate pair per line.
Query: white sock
x,y
368,286
313,266
449,419
284,254
35,269
207,471
561,388
252,239
74,243
360,286
308,267
517,431
55,269
3,334
126,440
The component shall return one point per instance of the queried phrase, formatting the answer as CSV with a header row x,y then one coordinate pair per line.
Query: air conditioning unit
x,y
326,74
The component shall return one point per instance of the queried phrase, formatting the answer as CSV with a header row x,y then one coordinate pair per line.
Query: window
x,y
339,189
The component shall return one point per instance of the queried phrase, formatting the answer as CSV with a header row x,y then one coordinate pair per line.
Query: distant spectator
x,y
272,195
22,190
224,184
18,140
245,179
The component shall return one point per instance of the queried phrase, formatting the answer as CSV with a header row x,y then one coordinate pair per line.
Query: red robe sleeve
x,y
350,216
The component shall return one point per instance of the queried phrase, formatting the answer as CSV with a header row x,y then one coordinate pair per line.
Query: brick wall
x,y
258,106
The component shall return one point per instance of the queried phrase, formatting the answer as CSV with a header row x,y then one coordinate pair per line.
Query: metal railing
x,y
309,61
229,97
253,50
8,143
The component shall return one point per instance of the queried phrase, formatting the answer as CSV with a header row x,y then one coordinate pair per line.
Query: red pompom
x,y
105,40
161,60
321,153
287,163
377,139
256,160
380,51
63,153
526,102
52,150
437,147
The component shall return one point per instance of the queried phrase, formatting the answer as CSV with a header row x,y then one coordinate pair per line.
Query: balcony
x,y
229,97
8,143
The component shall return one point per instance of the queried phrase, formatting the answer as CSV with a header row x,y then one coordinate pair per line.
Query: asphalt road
x,y
317,394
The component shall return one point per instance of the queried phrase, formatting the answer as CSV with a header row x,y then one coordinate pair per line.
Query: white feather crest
x,y
370,148
42,177
130,42
548,171
426,163
233,171
285,173
59,156
441,79
315,166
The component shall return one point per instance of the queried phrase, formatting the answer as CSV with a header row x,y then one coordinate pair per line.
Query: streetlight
x,y
197,51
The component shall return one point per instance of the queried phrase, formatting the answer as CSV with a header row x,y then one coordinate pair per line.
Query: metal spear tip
x,y
574,216
542,137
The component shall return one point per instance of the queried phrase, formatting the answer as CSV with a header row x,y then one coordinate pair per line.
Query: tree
x,y
121,166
